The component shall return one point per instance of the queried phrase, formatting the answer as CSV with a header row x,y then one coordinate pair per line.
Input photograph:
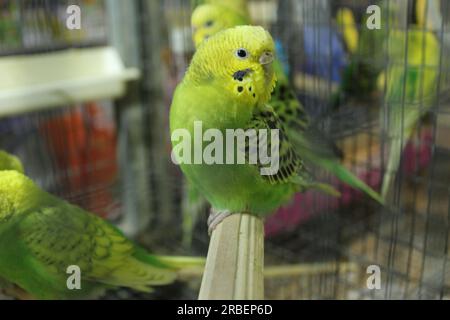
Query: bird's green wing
x,y
59,235
294,117
289,162
288,108
291,168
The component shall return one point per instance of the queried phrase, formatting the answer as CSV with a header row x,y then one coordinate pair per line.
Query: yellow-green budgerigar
x,y
227,87
41,236
315,149
411,84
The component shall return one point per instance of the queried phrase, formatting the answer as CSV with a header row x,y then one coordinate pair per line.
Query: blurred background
x,y
87,112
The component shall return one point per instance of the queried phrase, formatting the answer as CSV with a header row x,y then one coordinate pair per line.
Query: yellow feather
x,y
346,21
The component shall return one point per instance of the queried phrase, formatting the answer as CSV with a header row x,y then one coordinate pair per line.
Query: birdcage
x,y
91,126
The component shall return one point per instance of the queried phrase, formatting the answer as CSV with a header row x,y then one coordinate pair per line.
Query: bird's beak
x,y
266,58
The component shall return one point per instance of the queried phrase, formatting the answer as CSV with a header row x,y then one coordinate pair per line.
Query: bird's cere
x,y
227,147
266,58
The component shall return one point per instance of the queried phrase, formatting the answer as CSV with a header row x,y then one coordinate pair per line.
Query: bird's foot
x,y
215,218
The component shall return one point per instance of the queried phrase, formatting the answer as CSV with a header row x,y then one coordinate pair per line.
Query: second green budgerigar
x,y
41,236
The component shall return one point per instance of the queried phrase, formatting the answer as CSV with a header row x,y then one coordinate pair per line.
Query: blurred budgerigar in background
x,y
411,89
366,54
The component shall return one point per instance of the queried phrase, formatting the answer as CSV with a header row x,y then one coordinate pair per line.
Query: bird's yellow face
x,y
206,21
240,60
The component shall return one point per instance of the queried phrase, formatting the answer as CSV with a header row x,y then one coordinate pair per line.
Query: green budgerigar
x,y
227,87
411,88
41,236
314,147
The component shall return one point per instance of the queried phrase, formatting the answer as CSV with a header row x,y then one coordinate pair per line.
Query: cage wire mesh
x,y
55,142
113,157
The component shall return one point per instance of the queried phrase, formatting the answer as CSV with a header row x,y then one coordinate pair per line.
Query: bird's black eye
x,y
209,23
241,53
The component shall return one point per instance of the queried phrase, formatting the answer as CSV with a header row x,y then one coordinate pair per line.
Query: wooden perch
x,y
234,266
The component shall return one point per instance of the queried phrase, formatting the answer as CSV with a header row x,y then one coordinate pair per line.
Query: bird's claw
x,y
215,218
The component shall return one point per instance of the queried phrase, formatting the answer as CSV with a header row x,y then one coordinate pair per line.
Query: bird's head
x,y
205,22
239,60
209,19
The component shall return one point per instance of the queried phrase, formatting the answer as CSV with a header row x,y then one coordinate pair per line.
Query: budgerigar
x,y
367,60
227,86
314,148
411,81
41,236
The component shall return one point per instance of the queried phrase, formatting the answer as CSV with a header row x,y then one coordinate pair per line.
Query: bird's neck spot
x,y
243,85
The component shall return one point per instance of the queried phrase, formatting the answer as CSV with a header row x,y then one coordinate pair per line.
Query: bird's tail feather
x,y
397,144
343,174
180,262
332,164
392,165
140,276
326,188
168,262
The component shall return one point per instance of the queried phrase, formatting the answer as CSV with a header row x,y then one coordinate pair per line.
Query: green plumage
x,y
41,236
